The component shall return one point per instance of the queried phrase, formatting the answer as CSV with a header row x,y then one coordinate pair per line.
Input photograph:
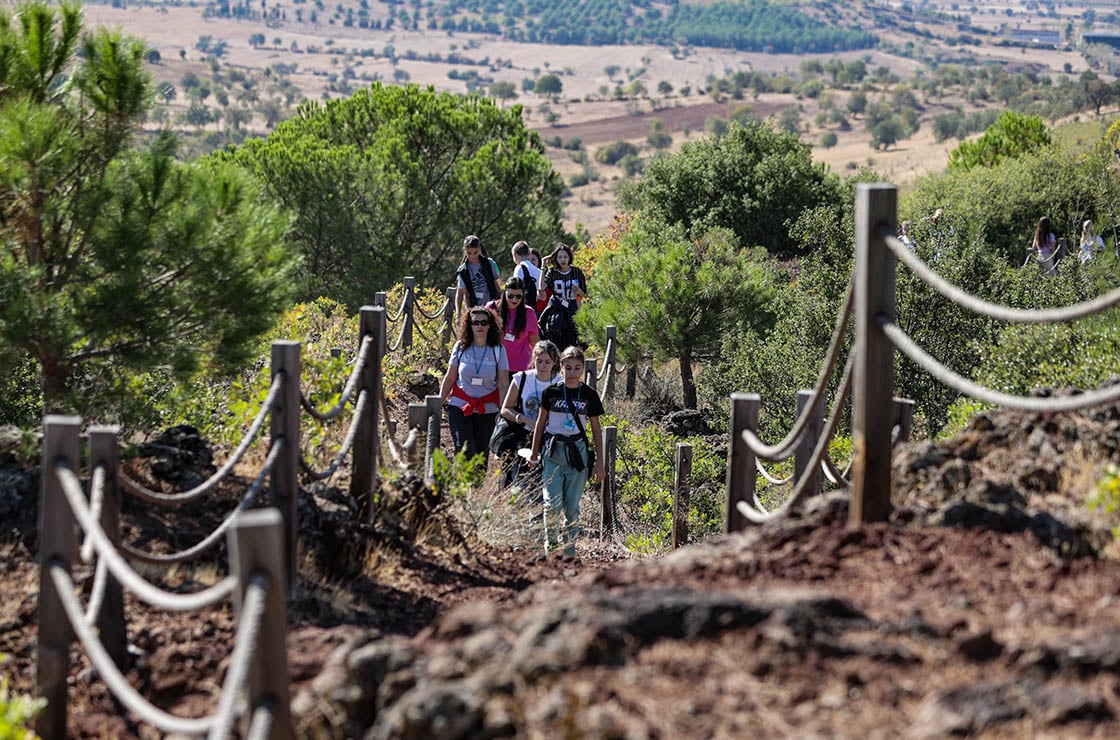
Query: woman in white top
x,y
522,403
1090,242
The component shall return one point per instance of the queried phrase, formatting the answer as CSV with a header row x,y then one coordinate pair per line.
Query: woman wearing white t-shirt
x,y
523,399
1090,242
476,381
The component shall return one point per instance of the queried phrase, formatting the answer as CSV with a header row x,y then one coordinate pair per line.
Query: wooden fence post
x,y
590,372
904,418
417,419
57,542
379,299
740,459
873,381
434,415
363,477
409,305
110,620
284,425
608,521
256,546
682,493
808,442
448,323
611,361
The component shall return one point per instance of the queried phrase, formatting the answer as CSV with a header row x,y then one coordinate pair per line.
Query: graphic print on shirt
x,y
478,283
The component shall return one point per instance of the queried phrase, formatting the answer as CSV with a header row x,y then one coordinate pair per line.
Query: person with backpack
x,y
529,273
557,325
521,408
560,446
520,331
563,279
476,279
475,383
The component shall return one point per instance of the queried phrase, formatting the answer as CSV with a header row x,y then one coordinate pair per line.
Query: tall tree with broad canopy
x,y
671,295
387,183
753,180
114,255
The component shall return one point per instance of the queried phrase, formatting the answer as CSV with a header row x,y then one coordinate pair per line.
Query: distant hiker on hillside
x,y
475,383
477,277
1090,243
1045,247
561,447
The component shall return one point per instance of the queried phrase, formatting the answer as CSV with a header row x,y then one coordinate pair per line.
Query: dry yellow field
x,y
174,31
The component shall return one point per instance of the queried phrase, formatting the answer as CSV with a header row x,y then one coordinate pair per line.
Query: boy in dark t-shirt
x,y
560,444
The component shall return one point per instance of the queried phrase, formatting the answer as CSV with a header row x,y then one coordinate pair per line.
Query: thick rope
x,y
770,478
347,392
601,375
96,496
174,499
400,311
244,645
833,474
351,435
966,387
400,339
410,444
802,488
784,449
108,670
438,314
995,310
260,727
211,539
125,575
97,593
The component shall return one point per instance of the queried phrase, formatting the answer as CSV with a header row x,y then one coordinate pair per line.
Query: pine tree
x,y
116,258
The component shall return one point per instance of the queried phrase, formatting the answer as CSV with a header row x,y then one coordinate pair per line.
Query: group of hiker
x,y
514,386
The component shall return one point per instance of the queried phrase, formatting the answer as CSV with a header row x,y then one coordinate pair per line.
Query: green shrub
x,y
1107,495
16,710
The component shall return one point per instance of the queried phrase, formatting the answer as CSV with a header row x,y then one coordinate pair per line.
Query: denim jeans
x,y
563,489
471,433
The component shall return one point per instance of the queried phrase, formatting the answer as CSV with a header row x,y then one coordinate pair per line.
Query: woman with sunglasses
x,y
520,322
475,383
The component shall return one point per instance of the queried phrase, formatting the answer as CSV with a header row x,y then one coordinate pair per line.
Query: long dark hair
x,y
550,260
1042,231
493,334
520,315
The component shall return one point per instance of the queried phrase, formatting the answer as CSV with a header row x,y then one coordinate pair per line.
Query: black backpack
x,y
556,324
530,284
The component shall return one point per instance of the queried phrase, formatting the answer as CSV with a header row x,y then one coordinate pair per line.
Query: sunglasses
x,y
482,322
518,296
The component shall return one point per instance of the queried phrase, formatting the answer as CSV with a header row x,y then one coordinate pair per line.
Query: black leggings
x,y
471,433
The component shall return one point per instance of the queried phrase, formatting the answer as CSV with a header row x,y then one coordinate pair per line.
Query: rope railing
x,y
347,391
119,569
174,499
771,479
805,484
211,539
347,443
833,474
437,314
786,446
258,662
1038,404
994,310
244,645
108,671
